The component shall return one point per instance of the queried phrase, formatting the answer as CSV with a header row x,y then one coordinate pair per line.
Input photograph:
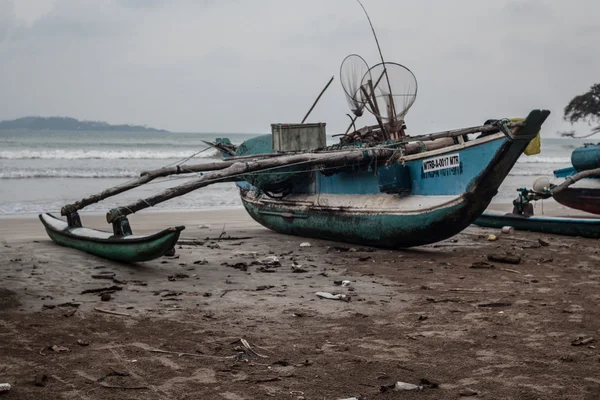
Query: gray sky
x,y
239,65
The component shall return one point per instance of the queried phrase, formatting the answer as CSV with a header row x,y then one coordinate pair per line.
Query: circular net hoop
x,y
392,89
352,71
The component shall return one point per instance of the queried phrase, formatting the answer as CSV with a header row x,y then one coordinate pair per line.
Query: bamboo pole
x,y
458,132
240,168
144,178
317,100
377,117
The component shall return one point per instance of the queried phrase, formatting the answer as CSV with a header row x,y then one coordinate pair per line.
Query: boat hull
x,y
588,228
381,228
584,199
352,207
106,245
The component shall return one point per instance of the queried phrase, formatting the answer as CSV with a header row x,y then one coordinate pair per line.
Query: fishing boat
x,y
402,201
578,187
409,192
378,186
584,194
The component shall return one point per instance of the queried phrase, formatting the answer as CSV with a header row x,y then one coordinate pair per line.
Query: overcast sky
x,y
239,65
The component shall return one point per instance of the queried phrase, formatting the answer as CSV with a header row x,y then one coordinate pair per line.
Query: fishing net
x,y
352,71
392,89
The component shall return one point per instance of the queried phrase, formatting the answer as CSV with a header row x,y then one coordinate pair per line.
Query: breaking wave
x,y
63,154
544,160
531,173
64,173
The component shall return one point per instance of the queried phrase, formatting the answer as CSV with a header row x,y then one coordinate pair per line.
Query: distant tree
x,y
585,108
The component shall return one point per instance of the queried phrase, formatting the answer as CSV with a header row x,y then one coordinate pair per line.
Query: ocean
x,y
40,171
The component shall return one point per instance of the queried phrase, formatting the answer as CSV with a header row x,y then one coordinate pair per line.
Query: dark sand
x,y
505,332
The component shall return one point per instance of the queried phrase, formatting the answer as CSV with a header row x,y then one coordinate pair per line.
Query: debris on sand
x,y
298,269
468,392
104,275
58,349
504,258
70,313
305,244
582,341
482,265
178,275
242,266
495,304
109,289
270,261
40,380
492,238
4,387
331,296
266,270
404,386
508,230
543,242
343,283
112,312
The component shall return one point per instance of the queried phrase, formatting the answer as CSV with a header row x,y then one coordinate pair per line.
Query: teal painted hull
x,y
588,228
382,207
373,229
144,248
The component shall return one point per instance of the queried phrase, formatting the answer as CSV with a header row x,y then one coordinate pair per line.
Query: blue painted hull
x,y
419,200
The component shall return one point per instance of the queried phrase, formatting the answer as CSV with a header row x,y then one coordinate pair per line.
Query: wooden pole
x,y
317,100
377,117
145,178
235,171
458,132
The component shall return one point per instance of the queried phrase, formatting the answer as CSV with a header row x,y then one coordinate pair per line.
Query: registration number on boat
x,y
442,162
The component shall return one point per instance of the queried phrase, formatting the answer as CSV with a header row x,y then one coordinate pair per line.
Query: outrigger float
x,y
378,186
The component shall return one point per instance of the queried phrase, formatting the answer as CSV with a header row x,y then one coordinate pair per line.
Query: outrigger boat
x,y
378,186
579,189
408,192
584,194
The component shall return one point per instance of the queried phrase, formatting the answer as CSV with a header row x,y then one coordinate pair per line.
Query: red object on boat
x,y
580,198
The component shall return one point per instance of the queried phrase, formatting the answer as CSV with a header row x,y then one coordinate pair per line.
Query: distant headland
x,y
71,124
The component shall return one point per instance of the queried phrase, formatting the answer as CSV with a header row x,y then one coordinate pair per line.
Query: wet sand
x,y
503,331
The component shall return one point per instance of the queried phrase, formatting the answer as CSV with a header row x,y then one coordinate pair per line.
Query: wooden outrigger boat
x,y
402,193
584,194
579,189
396,201
377,187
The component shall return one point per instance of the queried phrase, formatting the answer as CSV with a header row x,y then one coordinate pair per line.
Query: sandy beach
x,y
234,315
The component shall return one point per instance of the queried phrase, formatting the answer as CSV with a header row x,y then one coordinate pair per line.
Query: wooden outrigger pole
x,y
144,178
235,172
254,163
